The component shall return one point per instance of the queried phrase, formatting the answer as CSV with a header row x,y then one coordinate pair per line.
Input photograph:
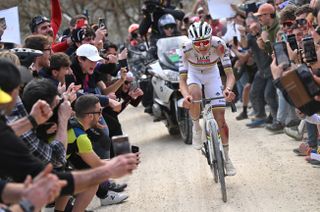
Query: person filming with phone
x,y
130,94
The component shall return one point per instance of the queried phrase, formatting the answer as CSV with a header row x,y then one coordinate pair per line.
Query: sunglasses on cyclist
x,y
127,82
202,42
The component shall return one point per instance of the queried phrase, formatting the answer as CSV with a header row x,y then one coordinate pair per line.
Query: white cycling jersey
x,y
203,69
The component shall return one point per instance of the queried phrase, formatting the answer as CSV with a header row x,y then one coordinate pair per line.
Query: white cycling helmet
x,y
199,31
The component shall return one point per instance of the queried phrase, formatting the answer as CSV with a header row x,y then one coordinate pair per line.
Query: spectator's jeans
x,y
263,91
286,112
312,131
241,83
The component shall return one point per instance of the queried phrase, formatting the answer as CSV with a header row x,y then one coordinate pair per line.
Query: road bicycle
x,y
212,147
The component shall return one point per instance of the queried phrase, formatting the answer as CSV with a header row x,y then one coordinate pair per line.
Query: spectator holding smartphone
x,y
130,94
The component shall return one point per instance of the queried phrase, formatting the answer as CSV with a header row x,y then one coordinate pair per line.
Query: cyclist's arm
x,y
227,66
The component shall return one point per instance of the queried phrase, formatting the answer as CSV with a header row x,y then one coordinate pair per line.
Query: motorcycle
x,y
167,100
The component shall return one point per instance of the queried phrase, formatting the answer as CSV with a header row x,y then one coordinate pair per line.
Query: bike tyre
x,y
219,161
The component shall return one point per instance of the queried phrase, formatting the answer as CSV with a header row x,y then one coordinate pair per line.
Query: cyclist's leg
x,y
194,88
214,89
195,92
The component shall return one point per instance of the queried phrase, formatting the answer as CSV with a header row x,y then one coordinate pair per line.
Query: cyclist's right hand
x,y
187,101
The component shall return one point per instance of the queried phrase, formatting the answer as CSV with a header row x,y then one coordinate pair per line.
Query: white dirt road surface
x,y
175,177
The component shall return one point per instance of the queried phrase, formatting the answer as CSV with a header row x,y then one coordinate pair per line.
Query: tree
x,y
118,13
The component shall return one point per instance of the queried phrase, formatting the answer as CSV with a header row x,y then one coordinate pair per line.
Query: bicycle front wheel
x,y
209,149
219,159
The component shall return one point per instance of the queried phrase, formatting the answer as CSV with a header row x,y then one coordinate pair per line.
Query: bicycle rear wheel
x,y
218,159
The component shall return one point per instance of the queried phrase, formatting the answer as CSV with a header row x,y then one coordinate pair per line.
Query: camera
x,y
121,145
151,6
301,89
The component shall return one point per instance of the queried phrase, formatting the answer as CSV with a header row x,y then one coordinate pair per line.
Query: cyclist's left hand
x,y
228,95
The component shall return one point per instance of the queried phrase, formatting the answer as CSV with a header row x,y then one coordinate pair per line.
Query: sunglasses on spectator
x,y
95,112
202,42
301,21
39,20
169,26
288,24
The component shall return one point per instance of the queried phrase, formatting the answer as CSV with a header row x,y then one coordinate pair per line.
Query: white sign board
x,y
221,8
12,33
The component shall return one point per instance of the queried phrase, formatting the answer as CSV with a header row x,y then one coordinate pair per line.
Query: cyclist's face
x,y
202,45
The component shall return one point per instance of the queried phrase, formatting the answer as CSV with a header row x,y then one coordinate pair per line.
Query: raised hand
x,y
41,111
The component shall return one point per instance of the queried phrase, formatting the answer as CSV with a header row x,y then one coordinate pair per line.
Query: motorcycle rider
x,y
198,67
167,26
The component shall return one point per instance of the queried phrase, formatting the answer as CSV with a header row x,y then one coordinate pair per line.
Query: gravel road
x,y
175,177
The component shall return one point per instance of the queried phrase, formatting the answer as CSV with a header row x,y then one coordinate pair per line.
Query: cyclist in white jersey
x,y
198,67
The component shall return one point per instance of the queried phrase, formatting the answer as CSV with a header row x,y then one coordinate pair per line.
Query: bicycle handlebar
x,y
208,100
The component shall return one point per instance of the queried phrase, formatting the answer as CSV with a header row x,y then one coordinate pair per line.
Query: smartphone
x,y
310,54
102,23
134,149
80,23
268,47
121,144
292,42
281,54
235,40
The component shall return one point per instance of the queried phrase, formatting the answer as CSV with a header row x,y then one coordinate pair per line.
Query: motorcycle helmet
x,y
199,31
166,20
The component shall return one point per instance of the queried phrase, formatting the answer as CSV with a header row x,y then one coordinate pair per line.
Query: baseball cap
x,y
37,21
4,97
89,51
265,9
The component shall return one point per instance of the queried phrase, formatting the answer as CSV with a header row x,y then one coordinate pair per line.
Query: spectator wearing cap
x,y
75,23
4,97
270,25
42,43
200,8
43,26
83,65
81,36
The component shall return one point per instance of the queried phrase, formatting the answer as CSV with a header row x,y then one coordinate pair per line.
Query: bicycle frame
x,y
213,149
208,119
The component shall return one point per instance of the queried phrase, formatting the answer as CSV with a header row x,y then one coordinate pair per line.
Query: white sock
x,y
226,151
196,125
